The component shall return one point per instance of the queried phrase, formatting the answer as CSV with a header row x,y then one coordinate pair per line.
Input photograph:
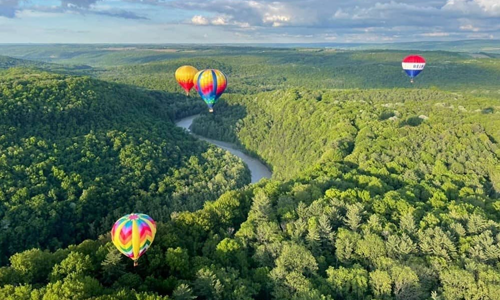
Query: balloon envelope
x,y
413,65
210,84
195,79
184,76
133,234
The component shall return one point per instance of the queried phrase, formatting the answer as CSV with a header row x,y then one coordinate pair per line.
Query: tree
x,y
400,246
406,283
183,292
208,285
371,247
346,244
381,283
348,283
113,266
458,284
34,266
73,288
354,216
293,267
75,264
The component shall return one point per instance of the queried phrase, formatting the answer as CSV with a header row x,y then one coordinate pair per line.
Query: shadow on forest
x,y
412,121
386,115
488,110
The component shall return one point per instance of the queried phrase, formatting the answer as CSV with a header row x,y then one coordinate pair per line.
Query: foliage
x,y
76,154
376,193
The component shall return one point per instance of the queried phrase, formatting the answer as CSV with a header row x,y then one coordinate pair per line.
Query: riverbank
x,y
257,169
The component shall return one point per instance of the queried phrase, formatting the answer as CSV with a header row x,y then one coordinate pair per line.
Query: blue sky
x,y
246,21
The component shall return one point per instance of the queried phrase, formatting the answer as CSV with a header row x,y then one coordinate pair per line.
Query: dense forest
x,y
77,153
271,70
380,190
381,131
253,69
9,62
335,232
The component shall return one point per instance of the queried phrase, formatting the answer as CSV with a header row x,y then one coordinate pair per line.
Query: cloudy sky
x,y
246,21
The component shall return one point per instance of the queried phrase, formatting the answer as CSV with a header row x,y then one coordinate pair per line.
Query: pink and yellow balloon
x,y
133,234
184,76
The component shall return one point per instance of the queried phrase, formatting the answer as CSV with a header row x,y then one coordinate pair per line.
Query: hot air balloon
x,y
413,65
210,84
133,234
195,79
184,76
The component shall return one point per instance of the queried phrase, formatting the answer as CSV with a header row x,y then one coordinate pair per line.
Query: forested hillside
x,y
363,218
336,232
271,70
254,70
76,154
405,132
9,62
380,189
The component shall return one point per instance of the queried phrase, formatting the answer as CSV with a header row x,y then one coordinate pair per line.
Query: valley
x,y
380,189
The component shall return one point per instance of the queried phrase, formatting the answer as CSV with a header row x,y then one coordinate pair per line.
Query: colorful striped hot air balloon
x,y
184,76
195,79
210,84
133,234
413,65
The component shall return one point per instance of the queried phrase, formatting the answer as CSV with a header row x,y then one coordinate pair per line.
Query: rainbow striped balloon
x,y
210,84
133,234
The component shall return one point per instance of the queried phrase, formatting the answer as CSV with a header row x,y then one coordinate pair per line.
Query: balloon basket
x,y
135,263
211,110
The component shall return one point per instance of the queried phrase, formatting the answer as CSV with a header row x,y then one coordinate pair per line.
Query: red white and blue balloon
x,y
413,65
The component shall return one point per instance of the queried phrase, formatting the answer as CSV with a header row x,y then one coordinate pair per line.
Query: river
x,y
257,169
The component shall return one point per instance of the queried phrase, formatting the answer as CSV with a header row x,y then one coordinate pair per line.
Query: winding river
x,y
257,169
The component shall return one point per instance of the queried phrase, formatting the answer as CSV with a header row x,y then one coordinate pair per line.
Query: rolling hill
x,y
77,153
380,190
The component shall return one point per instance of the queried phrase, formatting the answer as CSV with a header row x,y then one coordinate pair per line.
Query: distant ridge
x,y
7,62
492,46
474,45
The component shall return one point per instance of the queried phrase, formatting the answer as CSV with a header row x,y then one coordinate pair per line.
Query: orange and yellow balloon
x,y
210,84
184,76
133,234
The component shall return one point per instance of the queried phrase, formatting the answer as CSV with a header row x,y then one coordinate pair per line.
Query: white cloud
x,y
28,13
276,20
480,36
355,20
78,3
220,21
469,27
340,14
492,6
329,37
435,34
385,19
477,7
199,20
242,24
